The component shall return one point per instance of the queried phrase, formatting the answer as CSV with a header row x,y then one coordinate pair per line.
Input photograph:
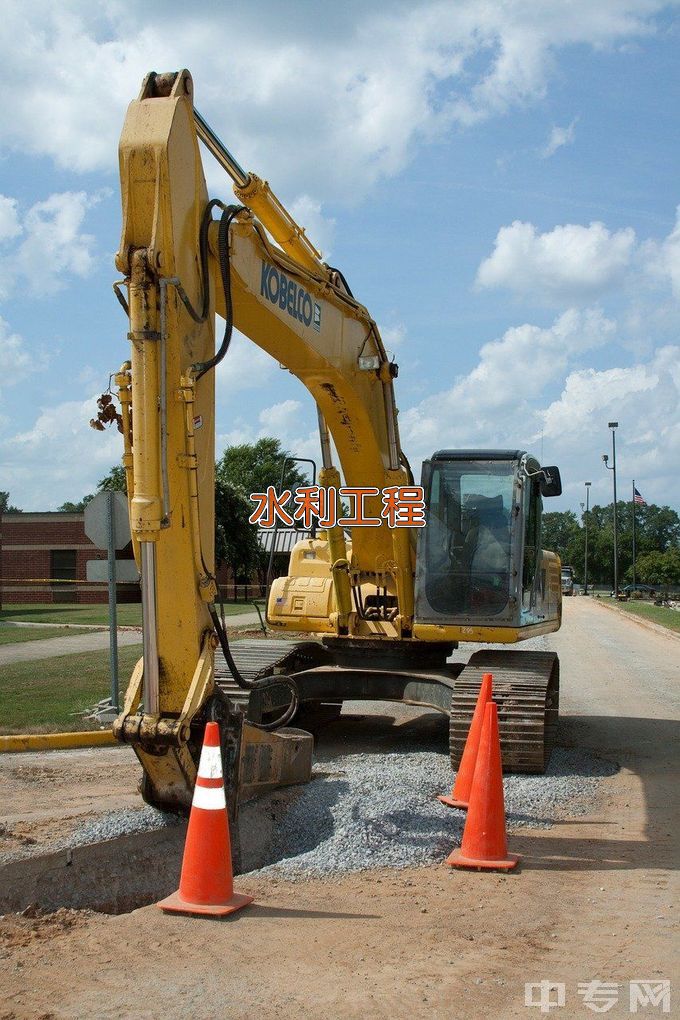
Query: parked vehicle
x,y
567,580
631,590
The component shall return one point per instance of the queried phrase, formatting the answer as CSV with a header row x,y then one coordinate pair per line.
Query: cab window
x,y
468,538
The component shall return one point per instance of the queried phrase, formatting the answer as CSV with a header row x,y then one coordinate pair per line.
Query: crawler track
x,y
526,689
259,658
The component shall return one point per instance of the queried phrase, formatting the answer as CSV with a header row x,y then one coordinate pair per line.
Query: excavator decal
x,y
290,296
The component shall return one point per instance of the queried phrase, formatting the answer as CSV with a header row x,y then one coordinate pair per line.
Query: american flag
x,y
637,498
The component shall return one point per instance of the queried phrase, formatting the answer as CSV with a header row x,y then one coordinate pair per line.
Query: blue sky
x,y
498,182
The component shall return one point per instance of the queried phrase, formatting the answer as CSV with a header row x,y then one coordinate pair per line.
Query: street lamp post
x,y
585,517
613,425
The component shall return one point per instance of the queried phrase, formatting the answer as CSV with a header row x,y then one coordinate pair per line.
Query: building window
x,y
63,568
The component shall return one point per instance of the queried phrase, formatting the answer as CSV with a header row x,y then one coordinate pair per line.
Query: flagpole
x,y
633,535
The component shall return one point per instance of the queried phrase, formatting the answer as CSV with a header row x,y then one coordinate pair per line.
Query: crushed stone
x,y
113,824
365,811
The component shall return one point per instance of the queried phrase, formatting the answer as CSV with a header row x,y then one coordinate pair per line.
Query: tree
x,y
114,481
657,527
235,538
6,507
561,533
75,508
659,568
252,467
657,531
241,470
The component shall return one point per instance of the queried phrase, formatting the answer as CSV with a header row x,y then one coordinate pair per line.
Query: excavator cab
x,y
480,563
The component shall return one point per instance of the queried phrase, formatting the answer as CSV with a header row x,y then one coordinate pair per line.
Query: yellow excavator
x,y
381,609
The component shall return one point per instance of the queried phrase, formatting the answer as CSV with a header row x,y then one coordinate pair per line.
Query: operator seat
x,y
487,552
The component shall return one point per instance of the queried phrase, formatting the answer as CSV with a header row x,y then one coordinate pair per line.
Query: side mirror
x,y
551,483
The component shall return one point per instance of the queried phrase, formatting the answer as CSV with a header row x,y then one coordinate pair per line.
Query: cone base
x,y
451,802
174,904
457,859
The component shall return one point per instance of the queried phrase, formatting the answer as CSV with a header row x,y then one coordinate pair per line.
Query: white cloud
x,y
570,262
307,213
559,136
645,399
375,78
508,401
393,336
9,219
17,362
51,244
279,418
496,403
245,366
662,259
629,395
59,458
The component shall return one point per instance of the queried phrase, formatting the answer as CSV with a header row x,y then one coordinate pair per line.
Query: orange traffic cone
x,y
206,885
460,794
484,843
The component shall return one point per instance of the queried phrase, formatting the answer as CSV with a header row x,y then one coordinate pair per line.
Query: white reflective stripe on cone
x,y
210,765
210,797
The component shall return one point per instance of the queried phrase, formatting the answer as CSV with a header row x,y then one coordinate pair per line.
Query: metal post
x,y
585,569
284,468
614,425
634,578
113,621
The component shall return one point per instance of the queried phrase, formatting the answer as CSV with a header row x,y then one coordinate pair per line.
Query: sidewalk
x,y
30,651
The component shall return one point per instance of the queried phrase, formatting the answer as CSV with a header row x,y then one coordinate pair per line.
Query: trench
x,y
372,803
115,876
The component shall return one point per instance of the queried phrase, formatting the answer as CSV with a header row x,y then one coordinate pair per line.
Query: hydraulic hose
x,y
256,685
228,214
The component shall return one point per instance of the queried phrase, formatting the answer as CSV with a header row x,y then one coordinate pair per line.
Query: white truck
x,y
567,580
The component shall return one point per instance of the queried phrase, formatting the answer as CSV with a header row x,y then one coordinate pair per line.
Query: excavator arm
x,y
179,268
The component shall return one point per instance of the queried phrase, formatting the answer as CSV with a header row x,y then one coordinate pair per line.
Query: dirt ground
x,y
594,900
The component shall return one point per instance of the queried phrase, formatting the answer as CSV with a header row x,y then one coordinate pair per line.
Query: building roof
x,y
285,538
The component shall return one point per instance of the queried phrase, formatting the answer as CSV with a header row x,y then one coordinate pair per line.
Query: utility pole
x,y
613,425
585,518
634,578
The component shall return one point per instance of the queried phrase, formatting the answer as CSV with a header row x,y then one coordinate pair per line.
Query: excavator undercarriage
x,y
526,687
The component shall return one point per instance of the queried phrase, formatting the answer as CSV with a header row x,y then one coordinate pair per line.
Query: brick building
x,y
42,555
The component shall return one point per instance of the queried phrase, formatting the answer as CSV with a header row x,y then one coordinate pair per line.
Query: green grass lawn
x,y
40,697
17,635
669,618
128,615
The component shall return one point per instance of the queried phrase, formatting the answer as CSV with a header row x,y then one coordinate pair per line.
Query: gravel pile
x,y
365,811
376,810
119,823
372,810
